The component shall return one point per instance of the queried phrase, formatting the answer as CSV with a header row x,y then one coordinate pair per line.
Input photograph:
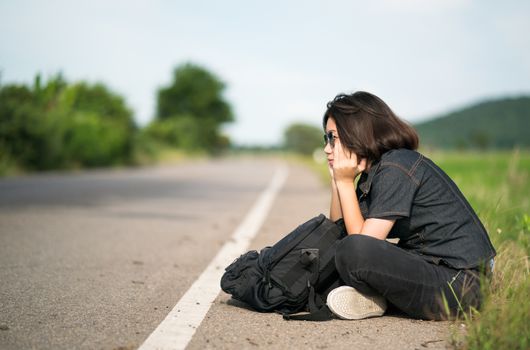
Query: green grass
x,y
497,186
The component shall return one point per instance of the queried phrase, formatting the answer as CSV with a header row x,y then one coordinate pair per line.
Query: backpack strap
x,y
323,314
314,223
309,259
318,310
316,313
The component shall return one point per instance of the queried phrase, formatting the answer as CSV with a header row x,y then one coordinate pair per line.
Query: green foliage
x,y
181,132
98,100
99,127
498,124
504,319
303,138
57,125
25,126
191,111
498,187
93,141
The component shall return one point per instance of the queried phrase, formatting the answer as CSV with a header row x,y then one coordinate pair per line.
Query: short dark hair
x,y
368,127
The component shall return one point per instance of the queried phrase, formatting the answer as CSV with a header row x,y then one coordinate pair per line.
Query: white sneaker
x,y
349,304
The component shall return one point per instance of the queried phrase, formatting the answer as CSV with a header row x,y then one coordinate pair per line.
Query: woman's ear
x,y
363,163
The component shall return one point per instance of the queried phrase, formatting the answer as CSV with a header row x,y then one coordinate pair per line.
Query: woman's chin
x,y
330,163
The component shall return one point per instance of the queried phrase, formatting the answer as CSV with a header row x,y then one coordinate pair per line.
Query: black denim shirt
x,y
433,218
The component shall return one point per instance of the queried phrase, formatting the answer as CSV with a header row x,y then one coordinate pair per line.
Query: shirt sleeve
x,y
391,193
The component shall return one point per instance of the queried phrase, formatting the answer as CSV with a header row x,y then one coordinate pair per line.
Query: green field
x,y
497,186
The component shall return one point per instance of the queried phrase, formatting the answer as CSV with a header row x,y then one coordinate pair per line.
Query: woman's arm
x,y
346,168
351,212
335,210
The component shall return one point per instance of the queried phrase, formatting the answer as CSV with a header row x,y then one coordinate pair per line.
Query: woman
x,y
433,271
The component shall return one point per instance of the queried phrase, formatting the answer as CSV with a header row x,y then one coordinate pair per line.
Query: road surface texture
x,y
96,260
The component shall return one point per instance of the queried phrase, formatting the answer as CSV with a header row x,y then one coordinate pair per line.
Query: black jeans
x,y
407,281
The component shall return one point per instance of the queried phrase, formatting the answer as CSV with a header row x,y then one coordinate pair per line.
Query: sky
x,y
281,61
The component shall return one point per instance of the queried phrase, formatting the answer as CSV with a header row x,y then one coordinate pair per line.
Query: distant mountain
x,y
494,124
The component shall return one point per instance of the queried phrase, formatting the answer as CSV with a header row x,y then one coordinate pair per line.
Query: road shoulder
x,y
229,324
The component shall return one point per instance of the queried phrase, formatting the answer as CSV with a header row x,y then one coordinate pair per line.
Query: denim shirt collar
x,y
365,182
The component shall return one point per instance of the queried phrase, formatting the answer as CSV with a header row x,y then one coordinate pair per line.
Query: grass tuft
x,y
504,319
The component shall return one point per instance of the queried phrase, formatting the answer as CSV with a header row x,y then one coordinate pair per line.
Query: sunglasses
x,y
329,138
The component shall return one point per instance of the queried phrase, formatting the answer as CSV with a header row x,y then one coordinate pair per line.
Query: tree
x,y
303,138
26,133
191,110
56,125
480,139
99,125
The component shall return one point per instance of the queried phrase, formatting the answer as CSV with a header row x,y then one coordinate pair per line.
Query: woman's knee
x,y
357,252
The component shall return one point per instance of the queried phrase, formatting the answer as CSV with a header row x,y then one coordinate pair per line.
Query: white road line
x,y
177,329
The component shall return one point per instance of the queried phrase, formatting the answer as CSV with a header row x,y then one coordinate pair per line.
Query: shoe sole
x,y
349,304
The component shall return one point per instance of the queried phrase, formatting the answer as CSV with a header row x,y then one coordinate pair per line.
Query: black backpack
x,y
294,275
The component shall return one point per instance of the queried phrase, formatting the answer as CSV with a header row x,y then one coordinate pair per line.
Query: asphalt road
x,y
96,260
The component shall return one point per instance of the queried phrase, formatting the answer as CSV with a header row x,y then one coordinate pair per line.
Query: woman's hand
x,y
346,165
330,169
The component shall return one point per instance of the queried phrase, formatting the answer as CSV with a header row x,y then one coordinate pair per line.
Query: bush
x,y
187,133
59,125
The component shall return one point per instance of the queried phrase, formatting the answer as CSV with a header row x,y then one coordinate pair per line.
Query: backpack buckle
x,y
308,256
